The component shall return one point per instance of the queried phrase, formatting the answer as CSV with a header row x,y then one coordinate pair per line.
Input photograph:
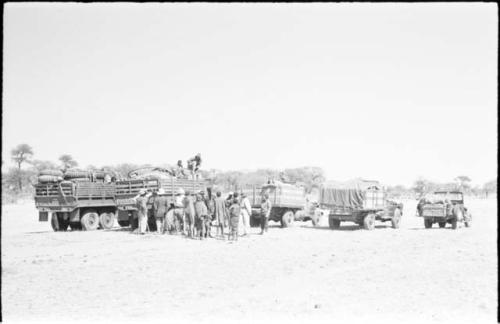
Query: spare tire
x,y
71,174
51,172
49,179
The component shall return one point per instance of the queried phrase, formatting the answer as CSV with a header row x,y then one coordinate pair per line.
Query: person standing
x,y
201,215
246,212
189,215
141,201
265,211
179,210
220,213
160,209
234,217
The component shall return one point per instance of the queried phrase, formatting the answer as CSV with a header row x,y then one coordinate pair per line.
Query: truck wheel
x,y
442,224
287,219
90,221
369,222
107,220
457,217
54,222
254,222
335,224
427,223
396,219
123,223
467,219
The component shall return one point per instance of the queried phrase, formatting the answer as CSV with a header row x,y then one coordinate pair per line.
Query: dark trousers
x,y
263,222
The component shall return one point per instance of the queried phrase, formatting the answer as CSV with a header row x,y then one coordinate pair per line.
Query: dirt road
x,y
410,274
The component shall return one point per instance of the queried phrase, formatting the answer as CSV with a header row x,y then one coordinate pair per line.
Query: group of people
x,y
194,214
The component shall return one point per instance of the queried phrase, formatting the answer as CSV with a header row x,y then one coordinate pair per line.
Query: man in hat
x,y
160,206
246,212
220,213
265,211
141,201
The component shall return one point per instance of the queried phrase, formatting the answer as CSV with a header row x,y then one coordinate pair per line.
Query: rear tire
x,y
287,219
107,220
427,223
335,224
442,224
90,221
396,219
369,222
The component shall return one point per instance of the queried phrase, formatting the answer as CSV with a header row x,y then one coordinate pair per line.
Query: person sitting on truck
x,y
246,211
265,211
220,213
194,164
179,170
160,206
141,201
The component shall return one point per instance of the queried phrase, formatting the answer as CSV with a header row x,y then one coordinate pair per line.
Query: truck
x,y
127,189
444,207
288,201
358,201
76,205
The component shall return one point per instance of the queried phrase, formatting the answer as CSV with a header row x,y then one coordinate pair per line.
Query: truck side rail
x,y
53,189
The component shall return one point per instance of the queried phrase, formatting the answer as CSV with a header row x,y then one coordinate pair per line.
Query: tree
x,y
67,161
463,183
490,187
40,165
21,154
422,186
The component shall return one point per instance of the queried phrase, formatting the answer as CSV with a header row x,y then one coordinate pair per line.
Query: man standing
x,y
194,164
220,213
265,211
189,215
201,215
160,209
179,210
141,201
246,212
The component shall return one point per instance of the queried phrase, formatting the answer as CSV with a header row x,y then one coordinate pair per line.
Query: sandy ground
x,y
297,274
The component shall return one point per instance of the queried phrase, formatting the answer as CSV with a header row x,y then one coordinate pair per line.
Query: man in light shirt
x,y
246,211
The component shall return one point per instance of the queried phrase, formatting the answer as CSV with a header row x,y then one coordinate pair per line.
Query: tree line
x,y
19,181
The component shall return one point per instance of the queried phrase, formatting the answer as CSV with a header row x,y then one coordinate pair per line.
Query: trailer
x,y
76,205
359,201
288,203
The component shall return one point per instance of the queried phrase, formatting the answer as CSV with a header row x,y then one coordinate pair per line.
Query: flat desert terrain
x,y
298,274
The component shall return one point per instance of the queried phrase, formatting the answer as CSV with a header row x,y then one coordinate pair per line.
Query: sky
x,y
390,92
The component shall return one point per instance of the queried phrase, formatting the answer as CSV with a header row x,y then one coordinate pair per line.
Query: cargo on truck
x,y
358,201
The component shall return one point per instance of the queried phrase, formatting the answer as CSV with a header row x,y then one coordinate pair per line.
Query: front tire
x,y
369,222
427,223
287,219
396,219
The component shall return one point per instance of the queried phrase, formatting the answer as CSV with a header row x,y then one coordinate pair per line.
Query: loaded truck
x,y
444,207
75,199
127,189
288,201
358,201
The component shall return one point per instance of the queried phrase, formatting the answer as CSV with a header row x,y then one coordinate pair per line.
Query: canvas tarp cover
x,y
345,194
